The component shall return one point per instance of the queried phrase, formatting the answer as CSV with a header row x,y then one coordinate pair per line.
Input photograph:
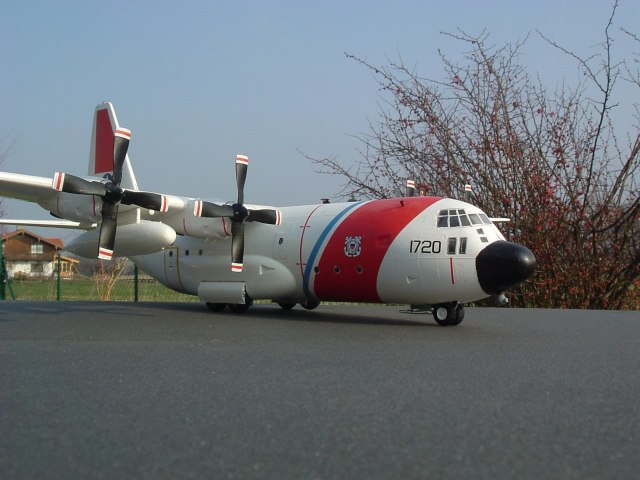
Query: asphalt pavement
x,y
156,390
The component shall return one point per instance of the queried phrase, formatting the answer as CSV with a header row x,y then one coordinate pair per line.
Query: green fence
x,y
131,287
88,289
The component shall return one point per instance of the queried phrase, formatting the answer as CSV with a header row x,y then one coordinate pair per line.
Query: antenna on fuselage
x,y
411,188
467,193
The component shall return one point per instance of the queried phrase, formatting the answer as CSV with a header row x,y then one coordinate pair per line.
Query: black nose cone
x,y
502,265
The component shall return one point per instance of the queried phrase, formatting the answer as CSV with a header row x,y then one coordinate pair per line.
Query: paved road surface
x,y
115,390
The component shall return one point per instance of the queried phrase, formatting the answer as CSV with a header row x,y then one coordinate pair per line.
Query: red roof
x,y
56,242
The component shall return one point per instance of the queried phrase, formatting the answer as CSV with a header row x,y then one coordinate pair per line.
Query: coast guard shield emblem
x,y
352,246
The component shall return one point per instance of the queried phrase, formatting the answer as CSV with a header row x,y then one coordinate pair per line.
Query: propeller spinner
x,y
111,193
238,214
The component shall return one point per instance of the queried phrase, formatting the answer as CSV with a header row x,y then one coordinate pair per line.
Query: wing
x,y
37,190
26,187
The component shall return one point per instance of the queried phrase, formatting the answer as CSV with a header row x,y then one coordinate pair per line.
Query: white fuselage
x,y
390,251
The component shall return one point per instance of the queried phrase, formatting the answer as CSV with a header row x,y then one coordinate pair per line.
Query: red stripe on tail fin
x,y
104,142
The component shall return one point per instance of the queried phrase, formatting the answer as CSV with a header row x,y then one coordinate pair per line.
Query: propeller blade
x,y
148,200
120,147
411,188
211,210
242,165
268,216
237,246
63,182
107,231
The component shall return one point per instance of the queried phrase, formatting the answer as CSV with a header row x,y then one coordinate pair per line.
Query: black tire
x,y
459,314
216,307
445,314
286,305
310,305
239,307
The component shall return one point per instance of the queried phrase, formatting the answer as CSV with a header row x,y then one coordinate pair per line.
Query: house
x,y
29,255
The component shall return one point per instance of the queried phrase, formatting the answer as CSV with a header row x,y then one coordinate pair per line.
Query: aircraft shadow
x,y
300,315
140,310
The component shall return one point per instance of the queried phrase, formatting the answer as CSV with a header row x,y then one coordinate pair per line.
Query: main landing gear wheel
x,y
241,307
310,305
216,307
286,305
448,314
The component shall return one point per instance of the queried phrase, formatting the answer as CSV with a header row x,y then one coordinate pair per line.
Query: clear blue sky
x,y
199,81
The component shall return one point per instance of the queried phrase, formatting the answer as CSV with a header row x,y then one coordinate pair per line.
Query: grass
x,y
93,290
88,289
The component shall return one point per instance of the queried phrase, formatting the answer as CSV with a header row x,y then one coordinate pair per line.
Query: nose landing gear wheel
x,y
448,314
459,314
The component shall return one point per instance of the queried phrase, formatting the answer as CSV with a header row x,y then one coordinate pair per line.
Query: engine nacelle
x,y
77,208
187,223
131,240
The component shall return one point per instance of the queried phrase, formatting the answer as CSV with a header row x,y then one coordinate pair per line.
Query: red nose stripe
x,y
349,266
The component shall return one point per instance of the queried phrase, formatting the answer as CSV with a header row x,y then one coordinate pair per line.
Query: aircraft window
x,y
485,219
463,246
451,246
475,219
458,218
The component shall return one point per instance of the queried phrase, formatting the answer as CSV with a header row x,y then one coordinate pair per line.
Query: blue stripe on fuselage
x,y
316,248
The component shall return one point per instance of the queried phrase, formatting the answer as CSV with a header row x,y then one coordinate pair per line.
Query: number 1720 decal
x,y
425,246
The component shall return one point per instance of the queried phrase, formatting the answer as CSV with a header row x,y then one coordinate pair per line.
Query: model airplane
x,y
429,252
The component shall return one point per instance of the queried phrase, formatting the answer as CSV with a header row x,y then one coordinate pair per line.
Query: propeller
x,y
111,193
238,214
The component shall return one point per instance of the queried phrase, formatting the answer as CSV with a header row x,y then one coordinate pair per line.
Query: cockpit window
x,y
475,219
460,218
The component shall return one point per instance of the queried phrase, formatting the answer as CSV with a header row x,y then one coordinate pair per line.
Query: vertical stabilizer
x,y
105,124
